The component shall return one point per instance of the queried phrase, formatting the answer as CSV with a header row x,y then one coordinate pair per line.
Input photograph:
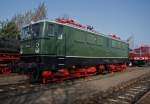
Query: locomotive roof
x,y
84,29
143,48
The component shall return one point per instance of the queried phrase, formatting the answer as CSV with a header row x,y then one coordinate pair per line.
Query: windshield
x,y
31,31
140,51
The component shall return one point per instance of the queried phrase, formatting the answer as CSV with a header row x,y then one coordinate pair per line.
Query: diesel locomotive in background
x,y
140,56
64,48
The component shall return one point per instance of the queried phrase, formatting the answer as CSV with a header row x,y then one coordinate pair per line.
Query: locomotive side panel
x,y
85,48
88,44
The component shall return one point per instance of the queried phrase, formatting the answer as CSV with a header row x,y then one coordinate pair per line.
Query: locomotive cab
x,y
41,38
41,44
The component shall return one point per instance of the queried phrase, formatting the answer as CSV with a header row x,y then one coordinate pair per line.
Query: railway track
x,y
128,95
25,88
18,89
14,91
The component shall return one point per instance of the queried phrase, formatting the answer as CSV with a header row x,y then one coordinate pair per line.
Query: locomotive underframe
x,y
35,64
53,62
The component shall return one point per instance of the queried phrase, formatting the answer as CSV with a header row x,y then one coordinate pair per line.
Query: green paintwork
x,y
73,42
83,43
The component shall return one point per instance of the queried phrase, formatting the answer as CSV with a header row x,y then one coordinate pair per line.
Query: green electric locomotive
x,y
64,48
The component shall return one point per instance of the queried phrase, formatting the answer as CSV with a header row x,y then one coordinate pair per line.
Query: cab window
x,y
60,30
50,30
35,30
31,31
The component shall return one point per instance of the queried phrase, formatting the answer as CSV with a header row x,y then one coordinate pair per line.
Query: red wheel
x,y
101,68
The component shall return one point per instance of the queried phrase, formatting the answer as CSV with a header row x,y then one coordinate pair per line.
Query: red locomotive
x,y
140,56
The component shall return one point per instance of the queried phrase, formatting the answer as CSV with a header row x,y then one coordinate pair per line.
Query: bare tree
x,y
38,14
19,20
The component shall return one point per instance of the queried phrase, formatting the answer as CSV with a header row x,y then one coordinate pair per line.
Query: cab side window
x,y
59,31
50,30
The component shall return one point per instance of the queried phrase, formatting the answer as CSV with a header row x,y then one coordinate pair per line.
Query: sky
x,y
124,18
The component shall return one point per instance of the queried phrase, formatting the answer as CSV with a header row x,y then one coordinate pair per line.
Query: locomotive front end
x,y
37,49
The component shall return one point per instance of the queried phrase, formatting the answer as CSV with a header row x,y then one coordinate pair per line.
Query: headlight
x,y
21,50
37,49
